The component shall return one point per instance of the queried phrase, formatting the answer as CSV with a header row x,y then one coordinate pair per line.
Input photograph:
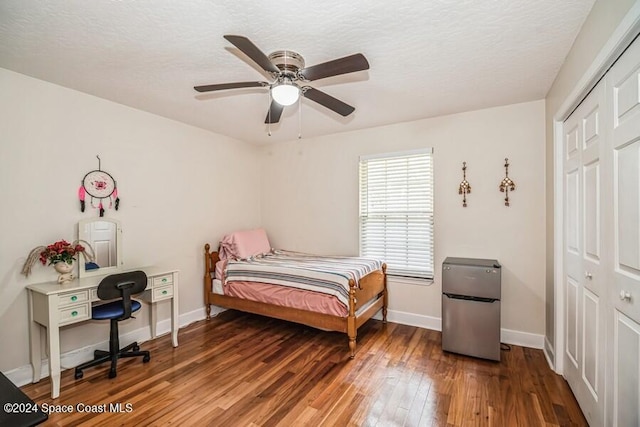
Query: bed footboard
x,y
372,287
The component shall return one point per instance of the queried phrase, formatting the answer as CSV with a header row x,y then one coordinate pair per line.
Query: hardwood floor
x,y
244,370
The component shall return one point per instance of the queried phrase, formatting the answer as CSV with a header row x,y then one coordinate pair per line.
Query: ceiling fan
x,y
287,69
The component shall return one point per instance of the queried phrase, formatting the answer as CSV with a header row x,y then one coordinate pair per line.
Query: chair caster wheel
x,y
78,375
146,359
136,348
112,374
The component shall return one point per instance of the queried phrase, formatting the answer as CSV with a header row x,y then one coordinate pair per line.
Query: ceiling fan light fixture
x,y
285,93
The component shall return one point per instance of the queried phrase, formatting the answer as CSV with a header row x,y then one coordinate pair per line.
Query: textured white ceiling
x,y
427,57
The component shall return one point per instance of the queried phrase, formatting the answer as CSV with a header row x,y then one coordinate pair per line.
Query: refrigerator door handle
x,y
470,298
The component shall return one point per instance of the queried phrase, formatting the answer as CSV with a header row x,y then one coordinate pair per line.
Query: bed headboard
x,y
210,260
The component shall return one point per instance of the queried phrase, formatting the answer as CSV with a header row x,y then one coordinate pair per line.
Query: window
x,y
396,211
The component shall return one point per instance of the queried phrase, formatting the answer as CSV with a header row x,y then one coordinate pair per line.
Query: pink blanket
x,y
285,296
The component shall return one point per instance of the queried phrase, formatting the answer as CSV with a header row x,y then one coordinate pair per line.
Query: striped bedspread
x,y
325,274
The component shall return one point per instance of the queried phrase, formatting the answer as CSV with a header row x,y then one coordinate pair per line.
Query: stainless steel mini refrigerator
x,y
471,290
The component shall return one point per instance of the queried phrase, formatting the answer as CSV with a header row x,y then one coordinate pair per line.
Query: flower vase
x,y
65,271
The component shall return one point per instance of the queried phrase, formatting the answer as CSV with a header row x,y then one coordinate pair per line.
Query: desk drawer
x,y
74,313
166,279
73,298
162,292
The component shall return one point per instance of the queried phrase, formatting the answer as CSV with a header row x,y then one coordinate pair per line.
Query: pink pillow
x,y
244,244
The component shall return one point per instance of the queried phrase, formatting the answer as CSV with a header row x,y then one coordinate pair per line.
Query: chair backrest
x,y
122,285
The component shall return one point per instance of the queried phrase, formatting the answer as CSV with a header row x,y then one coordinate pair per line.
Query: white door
x,y
584,271
623,81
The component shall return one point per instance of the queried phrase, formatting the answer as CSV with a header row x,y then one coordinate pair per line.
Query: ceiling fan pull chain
x,y
269,113
299,119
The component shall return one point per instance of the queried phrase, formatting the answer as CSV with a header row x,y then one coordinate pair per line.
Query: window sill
x,y
409,280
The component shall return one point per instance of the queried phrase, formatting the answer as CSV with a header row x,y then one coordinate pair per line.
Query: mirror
x,y
105,237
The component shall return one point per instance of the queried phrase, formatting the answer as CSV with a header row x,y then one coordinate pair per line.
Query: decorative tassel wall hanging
x,y
99,185
507,184
465,187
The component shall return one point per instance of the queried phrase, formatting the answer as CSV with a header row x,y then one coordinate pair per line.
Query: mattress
x,y
217,287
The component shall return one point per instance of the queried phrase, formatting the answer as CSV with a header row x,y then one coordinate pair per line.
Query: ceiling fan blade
x,y
348,64
252,51
225,86
274,114
328,101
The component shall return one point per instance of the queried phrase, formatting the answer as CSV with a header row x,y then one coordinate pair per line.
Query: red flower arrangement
x,y
61,251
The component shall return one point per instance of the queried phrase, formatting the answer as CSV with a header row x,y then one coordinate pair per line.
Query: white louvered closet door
x,y
585,277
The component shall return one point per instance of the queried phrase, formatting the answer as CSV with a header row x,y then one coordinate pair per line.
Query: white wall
x,y
310,201
178,185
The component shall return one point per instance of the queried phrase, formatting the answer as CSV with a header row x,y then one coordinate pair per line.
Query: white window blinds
x,y
396,211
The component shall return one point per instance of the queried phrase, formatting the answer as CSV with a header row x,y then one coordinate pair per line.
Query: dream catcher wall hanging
x,y
99,185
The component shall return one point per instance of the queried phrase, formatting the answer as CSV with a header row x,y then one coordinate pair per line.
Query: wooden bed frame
x,y
373,286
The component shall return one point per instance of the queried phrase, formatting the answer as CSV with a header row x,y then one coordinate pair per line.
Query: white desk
x,y
52,305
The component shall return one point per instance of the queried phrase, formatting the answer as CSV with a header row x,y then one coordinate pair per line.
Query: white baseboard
x,y
549,353
24,374
523,339
508,336
412,319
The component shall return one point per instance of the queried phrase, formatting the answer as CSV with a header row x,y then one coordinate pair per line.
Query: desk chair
x,y
121,286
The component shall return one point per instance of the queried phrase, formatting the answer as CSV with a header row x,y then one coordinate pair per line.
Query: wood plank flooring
x,y
245,370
